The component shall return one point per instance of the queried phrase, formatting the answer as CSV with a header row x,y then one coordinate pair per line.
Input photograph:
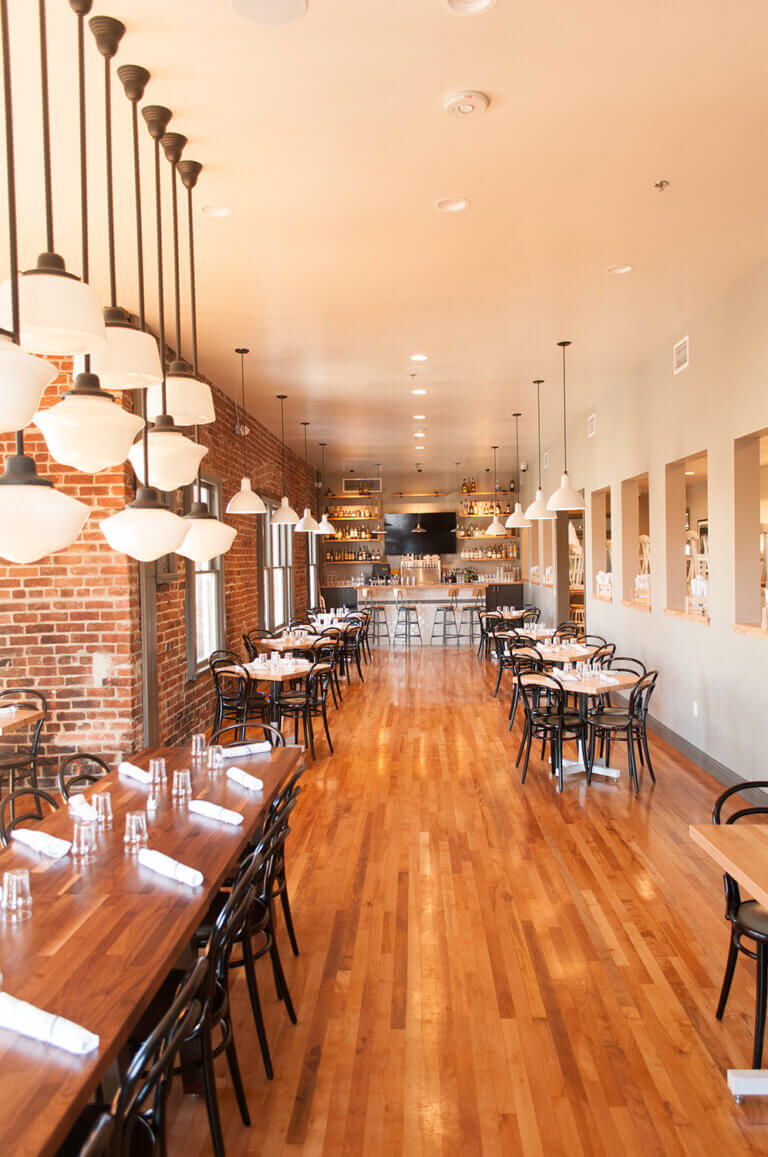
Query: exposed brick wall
x,y
66,616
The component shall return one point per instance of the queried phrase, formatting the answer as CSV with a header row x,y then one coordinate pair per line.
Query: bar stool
x,y
469,612
407,624
379,624
447,612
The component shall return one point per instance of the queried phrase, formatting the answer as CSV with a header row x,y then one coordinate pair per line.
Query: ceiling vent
x,y
465,104
359,486
591,425
680,356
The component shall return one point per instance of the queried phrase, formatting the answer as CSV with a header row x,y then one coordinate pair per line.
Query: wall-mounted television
x,y
439,535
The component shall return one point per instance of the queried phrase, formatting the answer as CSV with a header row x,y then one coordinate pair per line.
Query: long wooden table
x,y
20,717
102,936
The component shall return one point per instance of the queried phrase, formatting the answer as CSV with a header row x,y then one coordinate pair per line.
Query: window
x,y
750,464
635,542
205,608
687,528
602,565
277,572
313,571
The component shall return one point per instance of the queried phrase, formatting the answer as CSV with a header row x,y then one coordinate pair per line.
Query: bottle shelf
x,y
487,494
352,561
331,542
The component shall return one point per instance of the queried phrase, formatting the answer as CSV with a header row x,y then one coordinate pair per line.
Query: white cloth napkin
x,y
81,809
237,750
212,811
134,772
603,678
167,866
252,782
41,842
28,1020
8,710
567,676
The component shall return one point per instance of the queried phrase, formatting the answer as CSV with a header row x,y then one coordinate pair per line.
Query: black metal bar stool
x,y
407,624
470,612
445,617
379,624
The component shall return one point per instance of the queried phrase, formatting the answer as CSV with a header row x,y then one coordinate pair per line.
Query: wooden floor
x,y
488,968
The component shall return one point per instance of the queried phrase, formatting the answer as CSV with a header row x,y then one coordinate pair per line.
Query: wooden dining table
x,y
19,717
102,936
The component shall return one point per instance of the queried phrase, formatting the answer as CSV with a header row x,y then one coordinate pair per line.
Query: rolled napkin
x,y
604,677
133,772
237,750
81,809
8,710
167,866
568,676
212,811
28,1020
41,842
252,782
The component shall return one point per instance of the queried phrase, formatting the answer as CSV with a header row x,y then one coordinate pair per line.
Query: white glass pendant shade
x,y
145,530
206,537
173,459
496,527
325,526
23,378
284,515
60,315
88,431
537,511
517,520
307,523
129,360
245,501
565,497
188,401
35,519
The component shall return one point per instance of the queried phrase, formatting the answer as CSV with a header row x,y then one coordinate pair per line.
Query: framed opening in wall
x,y
204,604
276,553
636,542
750,494
687,536
601,553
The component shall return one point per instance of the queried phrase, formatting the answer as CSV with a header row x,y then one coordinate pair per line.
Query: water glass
x,y
84,841
135,831
215,757
182,784
16,903
157,772
103,806
198,745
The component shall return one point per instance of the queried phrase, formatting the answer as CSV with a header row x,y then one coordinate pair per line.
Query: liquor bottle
x,y
512,487
498,486
464,488
507,509
498,509
473,485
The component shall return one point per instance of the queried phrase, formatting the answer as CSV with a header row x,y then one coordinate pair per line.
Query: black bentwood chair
x,y
232,735
747,919
8,808
310,703
79,771
548,718
21,758
630,727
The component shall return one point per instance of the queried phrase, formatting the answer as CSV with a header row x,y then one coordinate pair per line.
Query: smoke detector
x,y
465,104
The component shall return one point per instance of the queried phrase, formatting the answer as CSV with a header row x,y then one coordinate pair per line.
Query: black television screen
x,y
438,538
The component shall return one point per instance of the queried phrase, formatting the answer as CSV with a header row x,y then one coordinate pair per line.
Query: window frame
x,y
212,493
275,539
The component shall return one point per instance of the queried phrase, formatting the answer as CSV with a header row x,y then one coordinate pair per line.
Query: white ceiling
x,y
327,139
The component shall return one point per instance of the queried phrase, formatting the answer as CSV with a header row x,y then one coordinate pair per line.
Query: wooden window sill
x,y
637,605
550,585
603,598
753,629
688,616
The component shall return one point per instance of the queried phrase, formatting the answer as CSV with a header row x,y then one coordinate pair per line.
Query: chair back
x,y
249,641
533,684
318,681
629,665
27,697
73,773
603,655
489,620
566,631
232,735
8,808
732,894
230,682
594,640
520,639
531,615
640,696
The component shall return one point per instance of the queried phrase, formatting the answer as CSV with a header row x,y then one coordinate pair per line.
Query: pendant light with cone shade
x,y
87,429
325,526
496,526
307,523
537,511
35,519
517,520
60,315
187,398
130,359
173,459
285,515
245,501
565,497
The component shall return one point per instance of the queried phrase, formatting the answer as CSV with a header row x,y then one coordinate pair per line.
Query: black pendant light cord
x,y
192,282
139,223
110,181
282,427
538,384
47,177
160,283
10,172
239,419
176,275
83,151
564,346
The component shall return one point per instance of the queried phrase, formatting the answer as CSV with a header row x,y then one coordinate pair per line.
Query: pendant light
x,y
537,511
188,399
565,497
458,500
325,527
496,526
87,428
380,531
60,314
418,528
35,519
173,459
307,523
285,515
517,520
130,359
245,501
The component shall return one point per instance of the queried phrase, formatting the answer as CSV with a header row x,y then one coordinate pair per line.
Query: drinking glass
x,y
16,903
182,784
84,841
198,745
215,757
103,806
157,772
135,831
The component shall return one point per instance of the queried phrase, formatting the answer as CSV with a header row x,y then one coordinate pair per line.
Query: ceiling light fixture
x,y
496,526
565,497
270,11
285,515
470,7
307,523
206,536
245,501
517,520
216,211
325,526
419,357
419,434
537,511
465,103
619,269
419,417
419,393
452,204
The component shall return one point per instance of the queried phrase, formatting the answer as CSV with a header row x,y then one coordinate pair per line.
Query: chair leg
x,y
253,993
760,1003
282,984
498,679
308,731
209,1085
527,754
523,738
631,759
325,725
237,1080
733,955
359,668
644,741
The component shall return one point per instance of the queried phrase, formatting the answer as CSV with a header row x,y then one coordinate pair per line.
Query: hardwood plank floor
x,y
486,968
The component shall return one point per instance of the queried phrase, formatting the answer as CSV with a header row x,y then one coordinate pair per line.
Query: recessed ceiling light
x,y
270,11
688,473
419,434
452,204
418,448
419,358
467,7
418,391
419,417
216,210
619,269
